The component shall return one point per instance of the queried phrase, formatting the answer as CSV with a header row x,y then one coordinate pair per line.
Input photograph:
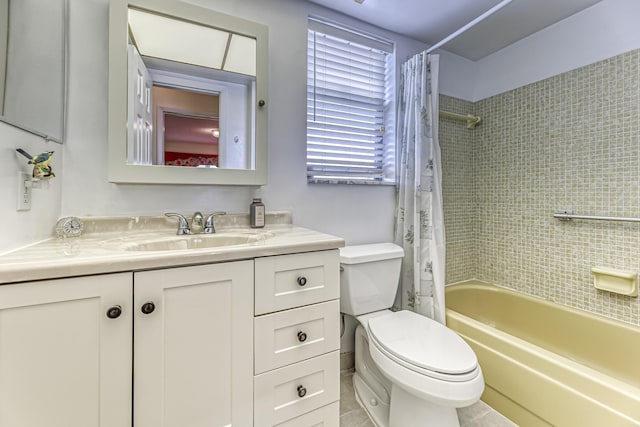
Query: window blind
x,y
346,110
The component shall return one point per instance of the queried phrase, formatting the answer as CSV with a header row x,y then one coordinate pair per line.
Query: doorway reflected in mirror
x,y
190,140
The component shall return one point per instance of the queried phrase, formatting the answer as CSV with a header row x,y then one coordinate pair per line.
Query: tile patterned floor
x,y
352,415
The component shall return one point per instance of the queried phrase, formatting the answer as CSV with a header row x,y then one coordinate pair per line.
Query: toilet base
x,y
371,388
407,410
404,410
375,407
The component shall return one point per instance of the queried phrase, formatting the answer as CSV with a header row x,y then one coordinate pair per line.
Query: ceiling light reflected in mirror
x,y
241,56
162,37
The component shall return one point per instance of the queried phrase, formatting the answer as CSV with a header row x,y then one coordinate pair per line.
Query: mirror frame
x,y
119,170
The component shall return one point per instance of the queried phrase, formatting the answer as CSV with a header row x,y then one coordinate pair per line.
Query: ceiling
x,y
432,20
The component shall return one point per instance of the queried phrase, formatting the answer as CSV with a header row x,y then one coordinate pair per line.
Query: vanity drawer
x,y
293,335
287,281
277,393
327,416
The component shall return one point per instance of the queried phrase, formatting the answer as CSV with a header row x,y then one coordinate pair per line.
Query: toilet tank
x,y
369,277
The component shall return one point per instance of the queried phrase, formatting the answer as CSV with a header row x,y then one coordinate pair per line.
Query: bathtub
x,y
546,364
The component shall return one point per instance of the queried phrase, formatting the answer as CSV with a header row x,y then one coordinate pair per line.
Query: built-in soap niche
x,y
621,282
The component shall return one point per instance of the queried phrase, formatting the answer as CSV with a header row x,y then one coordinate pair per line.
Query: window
x,y
350,117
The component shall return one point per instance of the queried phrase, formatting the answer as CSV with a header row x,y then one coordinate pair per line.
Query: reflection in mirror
x,y
185,126
179,96
33,65
190,140
187,95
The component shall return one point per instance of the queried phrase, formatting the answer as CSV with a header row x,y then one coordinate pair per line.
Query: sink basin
x,y
198,241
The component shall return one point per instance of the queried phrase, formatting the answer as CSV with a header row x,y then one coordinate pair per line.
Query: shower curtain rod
x,y
472,121
479,19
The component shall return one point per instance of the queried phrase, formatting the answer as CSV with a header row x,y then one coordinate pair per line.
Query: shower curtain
x,y
419,225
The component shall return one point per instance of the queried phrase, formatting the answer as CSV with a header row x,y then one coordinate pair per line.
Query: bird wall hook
x,y
41,164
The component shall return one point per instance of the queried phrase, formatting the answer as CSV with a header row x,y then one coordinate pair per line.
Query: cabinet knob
x,y
302,392
114,312
301,280
302,337
148,307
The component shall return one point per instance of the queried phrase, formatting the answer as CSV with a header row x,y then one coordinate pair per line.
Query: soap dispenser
x,y
256,213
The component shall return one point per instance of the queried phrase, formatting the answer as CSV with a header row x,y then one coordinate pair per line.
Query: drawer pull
x,y
148,307
301,280
115,312
302,337
302,392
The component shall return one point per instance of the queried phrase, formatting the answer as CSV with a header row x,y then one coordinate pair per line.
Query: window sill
x,y
350,182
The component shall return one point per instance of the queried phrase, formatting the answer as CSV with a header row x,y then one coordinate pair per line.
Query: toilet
x,y
410,370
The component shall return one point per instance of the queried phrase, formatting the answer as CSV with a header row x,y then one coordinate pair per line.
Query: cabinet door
x,y
63,361
193,353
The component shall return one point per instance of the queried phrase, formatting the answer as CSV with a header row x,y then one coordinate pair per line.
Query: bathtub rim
x,y
479,284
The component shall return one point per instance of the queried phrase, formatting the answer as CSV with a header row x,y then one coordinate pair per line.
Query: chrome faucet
x,y
196,223
183,225
209,227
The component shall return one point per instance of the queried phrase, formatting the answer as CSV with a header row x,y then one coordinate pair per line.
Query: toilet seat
x,y
423,346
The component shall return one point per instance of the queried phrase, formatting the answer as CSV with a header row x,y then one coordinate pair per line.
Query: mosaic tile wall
x,y
569,142
456,146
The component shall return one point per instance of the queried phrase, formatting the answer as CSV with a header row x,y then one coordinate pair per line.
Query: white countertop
x,y
102,252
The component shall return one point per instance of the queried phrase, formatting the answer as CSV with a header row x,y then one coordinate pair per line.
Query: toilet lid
x,y
423,342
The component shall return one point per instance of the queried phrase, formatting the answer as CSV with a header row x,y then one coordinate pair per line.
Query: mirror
x,y
189,84
33,63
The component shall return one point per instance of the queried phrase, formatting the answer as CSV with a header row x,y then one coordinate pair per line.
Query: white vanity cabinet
x,y
236,343
66,349
297,340
65,352
193,346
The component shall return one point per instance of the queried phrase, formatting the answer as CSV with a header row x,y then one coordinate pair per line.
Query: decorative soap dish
x,y
621,282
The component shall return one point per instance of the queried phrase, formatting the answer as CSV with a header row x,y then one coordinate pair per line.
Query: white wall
x,y
360,214
606,29
22,228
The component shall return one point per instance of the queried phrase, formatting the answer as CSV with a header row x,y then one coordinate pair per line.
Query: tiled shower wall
x,y
571,142
459,203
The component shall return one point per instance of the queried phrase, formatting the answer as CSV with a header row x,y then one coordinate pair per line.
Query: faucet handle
x,y
209,227
183,225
